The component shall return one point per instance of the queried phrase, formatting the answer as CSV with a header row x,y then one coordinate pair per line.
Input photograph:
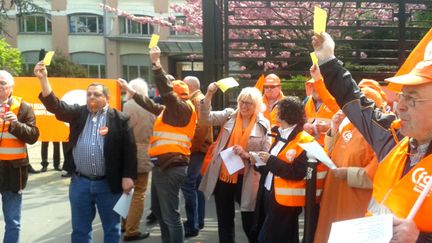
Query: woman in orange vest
x,y
286,163
243,130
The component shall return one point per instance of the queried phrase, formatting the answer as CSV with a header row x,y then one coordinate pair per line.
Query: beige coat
x,y
141,121
258,141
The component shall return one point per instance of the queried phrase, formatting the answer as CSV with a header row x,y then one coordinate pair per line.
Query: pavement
x,y
46,211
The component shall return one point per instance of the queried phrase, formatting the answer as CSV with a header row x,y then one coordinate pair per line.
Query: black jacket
x,y
119,143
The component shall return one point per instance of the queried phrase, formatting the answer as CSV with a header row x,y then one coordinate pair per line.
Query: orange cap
x,y
272,80
373,85
421,74
181,89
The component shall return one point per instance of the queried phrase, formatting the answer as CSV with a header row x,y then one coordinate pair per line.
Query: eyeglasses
x,y
409,100
245,103
271,87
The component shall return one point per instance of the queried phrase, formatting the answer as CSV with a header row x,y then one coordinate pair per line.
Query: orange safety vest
x,y
323,114
171,139
399,194
290,192
11,147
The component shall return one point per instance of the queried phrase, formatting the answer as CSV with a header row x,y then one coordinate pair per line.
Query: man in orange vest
x,y
170,145
405,155
272,94
18,127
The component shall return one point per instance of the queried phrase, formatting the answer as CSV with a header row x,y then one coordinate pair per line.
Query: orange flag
x,y
423,51
260,83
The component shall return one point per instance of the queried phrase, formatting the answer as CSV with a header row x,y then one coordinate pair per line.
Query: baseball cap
x,y
421,74
181,89
272,80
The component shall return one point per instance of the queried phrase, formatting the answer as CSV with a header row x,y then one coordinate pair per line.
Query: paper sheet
x,y
268,181
318,152
258,161
123,204
48,57
314,58
374,229
154,40
232,162
227,83
320,20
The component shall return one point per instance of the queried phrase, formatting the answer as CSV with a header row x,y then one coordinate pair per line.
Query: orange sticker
x,y
103,131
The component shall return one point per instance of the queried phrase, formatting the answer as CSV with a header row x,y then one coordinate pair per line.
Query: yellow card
x,y
48,57
320,20
314,58
154,40
226,83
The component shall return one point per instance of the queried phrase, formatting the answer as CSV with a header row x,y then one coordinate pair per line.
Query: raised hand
x,y
315,72
40,70
154,54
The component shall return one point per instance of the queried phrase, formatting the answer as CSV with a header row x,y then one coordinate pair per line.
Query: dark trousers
x,y
226,194
56,154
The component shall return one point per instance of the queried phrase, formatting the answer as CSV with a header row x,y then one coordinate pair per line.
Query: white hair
x,y
140,86
7,77
192,81
255,96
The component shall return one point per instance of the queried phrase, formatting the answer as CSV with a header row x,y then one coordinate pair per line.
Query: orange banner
x,y
423,51
260,83
71,90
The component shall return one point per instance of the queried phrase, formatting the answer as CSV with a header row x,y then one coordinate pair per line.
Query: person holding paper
x,y
18,128
285,182
403,147
141,121
242,130
170,145
101,156
272,94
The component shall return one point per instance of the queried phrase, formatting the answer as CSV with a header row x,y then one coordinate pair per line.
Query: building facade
x,y
109,46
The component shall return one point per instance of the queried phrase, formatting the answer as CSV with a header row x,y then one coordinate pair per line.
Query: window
x,y
130,27
93,62
136,65
30,58
34,24
180,21
86,23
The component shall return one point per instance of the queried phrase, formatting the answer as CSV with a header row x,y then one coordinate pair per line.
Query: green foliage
x,y
62,66
370,68
10,58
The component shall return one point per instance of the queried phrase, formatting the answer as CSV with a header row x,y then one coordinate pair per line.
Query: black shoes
x,y
151,218
189,234
140,236
65,174
31,170
57,169
44,169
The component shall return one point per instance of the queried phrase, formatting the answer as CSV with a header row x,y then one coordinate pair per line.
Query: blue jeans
x,y
166,201
194,199
11,205
84,196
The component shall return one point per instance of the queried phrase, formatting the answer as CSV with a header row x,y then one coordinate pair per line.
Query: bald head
x,y
192,82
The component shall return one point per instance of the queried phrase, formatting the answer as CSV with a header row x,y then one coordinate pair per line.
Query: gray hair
x,y
255,96
192,81
140,86
7,77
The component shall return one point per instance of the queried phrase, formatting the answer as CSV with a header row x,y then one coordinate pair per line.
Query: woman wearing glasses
x,y
244,130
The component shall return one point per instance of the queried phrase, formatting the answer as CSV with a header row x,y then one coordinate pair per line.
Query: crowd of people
x,y
111,152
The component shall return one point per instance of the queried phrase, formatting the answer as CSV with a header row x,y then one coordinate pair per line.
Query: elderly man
x,y
403,154
18,128
194,199
101,156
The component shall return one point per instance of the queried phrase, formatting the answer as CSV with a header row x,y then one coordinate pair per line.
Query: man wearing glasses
x,y
272,94
101,154
405,155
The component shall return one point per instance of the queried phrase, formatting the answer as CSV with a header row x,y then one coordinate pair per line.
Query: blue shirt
x,y
88,152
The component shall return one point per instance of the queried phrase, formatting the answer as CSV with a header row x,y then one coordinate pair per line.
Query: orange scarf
x,y
238,137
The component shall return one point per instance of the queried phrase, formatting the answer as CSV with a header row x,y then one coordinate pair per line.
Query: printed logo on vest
x,y
347,135
420,178
291,155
